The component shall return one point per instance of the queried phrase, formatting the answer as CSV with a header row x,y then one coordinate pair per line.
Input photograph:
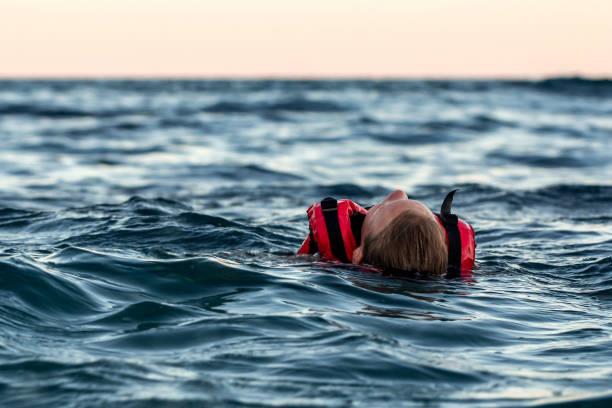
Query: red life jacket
x,y
335,232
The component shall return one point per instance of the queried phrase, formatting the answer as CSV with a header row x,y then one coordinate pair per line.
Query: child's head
x,y
402,234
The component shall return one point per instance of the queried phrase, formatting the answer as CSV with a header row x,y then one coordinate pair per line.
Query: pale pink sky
x,y
291,38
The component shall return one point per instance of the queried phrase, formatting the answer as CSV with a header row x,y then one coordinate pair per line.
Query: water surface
x,y
147,233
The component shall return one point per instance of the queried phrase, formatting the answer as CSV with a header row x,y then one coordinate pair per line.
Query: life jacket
x,y
335,232
335,229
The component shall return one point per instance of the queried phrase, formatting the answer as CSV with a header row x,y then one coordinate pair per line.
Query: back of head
x,y
411,242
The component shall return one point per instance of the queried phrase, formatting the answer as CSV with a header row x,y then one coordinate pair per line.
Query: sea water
x,y
148,232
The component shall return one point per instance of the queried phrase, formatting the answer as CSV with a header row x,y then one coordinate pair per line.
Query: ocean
x,y
148,231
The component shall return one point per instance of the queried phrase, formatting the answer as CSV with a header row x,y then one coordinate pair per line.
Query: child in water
x,y
398,234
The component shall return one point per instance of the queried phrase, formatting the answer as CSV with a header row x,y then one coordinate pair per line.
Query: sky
x,y
305,38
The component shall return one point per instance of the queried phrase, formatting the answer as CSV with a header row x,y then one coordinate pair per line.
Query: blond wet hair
x,y
411,242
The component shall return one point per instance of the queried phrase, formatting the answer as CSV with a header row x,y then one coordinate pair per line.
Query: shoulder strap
x,y
329,206
450,222
357,220
313,248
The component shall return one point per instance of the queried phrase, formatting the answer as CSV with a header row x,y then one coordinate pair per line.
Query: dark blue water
x,y
147,232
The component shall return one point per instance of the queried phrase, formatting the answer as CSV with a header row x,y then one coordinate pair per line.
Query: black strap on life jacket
x,y
313,248
450,222
329,206
357,220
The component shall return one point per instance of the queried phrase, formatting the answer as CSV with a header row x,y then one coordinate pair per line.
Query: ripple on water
x,y
147,233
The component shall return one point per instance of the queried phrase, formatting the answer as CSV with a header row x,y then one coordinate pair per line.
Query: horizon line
x,y
274,77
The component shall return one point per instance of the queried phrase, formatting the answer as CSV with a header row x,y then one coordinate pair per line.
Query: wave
x,y
58,112
544,161
573,196
431,131
411,138
248,171
591,400
42,293
579,86
167,279
288,105
293,193
158,227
